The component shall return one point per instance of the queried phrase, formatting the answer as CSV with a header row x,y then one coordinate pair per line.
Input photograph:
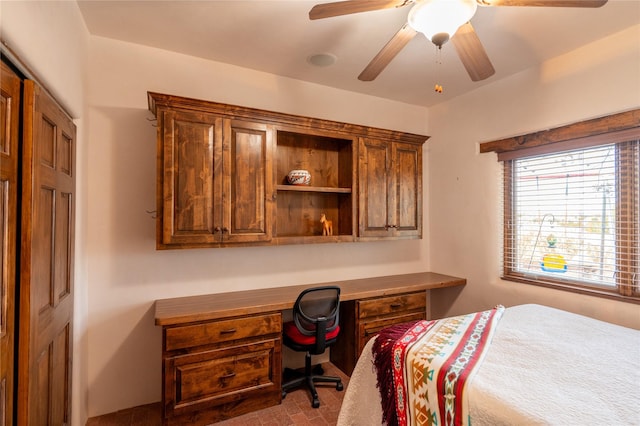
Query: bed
x,y
536,365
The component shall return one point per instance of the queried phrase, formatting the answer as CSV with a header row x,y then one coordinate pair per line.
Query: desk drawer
x,y
218,331
386,305
222,382
369,329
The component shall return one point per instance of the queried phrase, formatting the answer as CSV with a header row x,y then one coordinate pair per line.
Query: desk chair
x,y
314,327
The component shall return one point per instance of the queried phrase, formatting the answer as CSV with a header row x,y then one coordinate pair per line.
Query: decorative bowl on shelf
x,y
299,177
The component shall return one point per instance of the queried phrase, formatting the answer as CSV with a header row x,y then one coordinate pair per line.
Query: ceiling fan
x,y
439,20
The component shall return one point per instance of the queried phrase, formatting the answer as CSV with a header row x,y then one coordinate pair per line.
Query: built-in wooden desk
x,y
221,353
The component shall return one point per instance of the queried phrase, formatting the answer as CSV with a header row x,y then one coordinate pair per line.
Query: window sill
x,y
574,288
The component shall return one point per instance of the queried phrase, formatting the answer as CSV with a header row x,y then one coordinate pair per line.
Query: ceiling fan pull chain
x,y
438,87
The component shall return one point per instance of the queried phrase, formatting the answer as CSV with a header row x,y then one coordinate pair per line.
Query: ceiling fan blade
x,y
388,52
472,53
328,10
543,3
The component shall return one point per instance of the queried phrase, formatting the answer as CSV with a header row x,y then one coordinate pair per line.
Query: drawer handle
x,y
396,305
228,376
228,331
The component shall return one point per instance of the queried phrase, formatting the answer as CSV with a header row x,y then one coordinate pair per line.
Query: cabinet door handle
x,y
228,376
228,331
225,230
396,305
217,229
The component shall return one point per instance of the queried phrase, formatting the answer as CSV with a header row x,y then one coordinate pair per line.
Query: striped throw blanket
x,y
422,367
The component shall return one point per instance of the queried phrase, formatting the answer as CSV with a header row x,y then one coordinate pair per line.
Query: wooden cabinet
x,y
218,369
222,177
390,189
362,319
214,180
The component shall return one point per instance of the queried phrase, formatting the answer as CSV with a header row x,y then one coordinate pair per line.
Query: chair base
x,y
309,379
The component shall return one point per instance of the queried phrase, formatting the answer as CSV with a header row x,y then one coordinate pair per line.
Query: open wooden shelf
x,y
330,161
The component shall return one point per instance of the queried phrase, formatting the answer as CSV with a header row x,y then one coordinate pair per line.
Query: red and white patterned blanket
x,y
422,367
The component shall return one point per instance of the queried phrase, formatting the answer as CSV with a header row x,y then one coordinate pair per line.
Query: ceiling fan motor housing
x,y
439,20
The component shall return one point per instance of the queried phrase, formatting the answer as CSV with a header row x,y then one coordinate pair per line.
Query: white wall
x,y
465,227
126,272
50,38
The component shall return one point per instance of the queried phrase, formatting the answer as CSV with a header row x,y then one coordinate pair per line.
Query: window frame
x,y
616,128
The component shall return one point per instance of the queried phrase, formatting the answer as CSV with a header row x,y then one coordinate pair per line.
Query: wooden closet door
x,y
9,122
46,261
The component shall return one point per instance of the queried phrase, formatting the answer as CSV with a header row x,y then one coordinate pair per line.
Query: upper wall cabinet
x,y
216,183
222,178
390,192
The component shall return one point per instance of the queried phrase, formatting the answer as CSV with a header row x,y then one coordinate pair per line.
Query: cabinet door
x,y
191,144
406,209
390,177
247,214
376,194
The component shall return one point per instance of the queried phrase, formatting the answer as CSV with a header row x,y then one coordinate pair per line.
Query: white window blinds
x,y
572,218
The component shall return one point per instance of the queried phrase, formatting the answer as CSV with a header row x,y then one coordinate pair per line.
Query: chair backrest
x,y
316,312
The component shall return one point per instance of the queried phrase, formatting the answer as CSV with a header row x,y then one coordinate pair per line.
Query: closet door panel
x,y
46,264
9,121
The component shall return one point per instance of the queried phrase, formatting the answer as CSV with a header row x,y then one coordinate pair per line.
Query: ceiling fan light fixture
x,y
439,20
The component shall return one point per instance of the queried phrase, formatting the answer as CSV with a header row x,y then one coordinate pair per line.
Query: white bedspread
x,y
544,367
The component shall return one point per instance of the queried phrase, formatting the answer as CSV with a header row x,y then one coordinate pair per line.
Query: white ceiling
x,y
277,37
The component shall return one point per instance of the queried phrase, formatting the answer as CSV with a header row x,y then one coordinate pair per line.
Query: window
x,y
571,208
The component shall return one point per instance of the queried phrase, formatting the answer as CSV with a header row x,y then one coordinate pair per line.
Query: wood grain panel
x,y
602,126
188,309
63,244
408,203
5,245
247,216
221,331
157,101
373,169
322,156
222,375
65,154
61,377
46,268
299,213
189,152
10,105
48,135
192,149
40,377
392,304
44,250
203,387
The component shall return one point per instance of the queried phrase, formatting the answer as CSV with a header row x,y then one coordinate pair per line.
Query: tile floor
x,y
295,410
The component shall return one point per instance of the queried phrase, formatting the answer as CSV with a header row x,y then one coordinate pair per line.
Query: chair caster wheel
x,y
284,395
315,403
339,387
